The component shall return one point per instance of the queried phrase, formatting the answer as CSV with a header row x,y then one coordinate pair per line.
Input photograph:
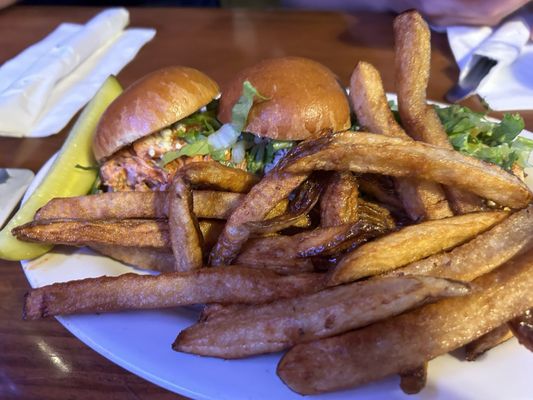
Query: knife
x,y
4,175
501,48
13,185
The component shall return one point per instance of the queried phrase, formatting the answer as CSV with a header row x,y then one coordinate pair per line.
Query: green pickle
x,y
63,178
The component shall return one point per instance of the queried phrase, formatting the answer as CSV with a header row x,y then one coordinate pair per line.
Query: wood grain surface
x,y
41,360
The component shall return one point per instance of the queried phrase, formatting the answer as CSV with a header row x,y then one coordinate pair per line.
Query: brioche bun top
x,y
304,97
150,104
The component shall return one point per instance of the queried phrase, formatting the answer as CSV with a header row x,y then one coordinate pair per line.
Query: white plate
x,y
141,343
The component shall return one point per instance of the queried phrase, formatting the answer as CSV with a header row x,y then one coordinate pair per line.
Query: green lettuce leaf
x,y
472,133
200,147
228,134
241,109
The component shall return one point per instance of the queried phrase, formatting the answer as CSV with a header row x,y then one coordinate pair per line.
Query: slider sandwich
x,y
174,116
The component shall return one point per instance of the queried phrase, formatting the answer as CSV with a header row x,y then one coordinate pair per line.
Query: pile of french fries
x,y
361,254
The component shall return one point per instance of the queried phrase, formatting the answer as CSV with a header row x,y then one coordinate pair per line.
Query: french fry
x,y
127,233
381,188
375,214
366,152
304,200
215,175
414,380
410,339
338,205
421,200
139,257
412,58
480,255
282,324
185,235
273,188
412,243
283,249
227,285
102,206
522,327
489,340
291,247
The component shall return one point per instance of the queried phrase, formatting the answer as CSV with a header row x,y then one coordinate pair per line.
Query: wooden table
x,y
41,360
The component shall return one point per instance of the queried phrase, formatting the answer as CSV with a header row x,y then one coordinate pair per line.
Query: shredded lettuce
x,y
228,134
241,109
218,141
472,133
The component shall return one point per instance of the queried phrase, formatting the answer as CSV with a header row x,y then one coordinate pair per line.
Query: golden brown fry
x,y
381,188
212,310
338,204
370,102
304,200
282,249
102,206
185,235
366,152
408,340
522,327
412,57
489,340
280,266
215,175
461,201
289,247
127,233
130,291
211,230
375,214
140,257
421,199
351,235
136,205
211,204
282,324
480,255
412,243
414,380
273,188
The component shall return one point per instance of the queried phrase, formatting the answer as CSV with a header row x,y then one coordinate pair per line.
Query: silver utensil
x,y
13,185
467,86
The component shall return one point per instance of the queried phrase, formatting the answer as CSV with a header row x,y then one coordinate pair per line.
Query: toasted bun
x,y
304,98
150,104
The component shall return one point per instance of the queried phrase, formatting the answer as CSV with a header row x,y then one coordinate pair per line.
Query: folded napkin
x,y
509,85
44,86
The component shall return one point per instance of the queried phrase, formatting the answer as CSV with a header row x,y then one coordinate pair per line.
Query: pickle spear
x,y
63,178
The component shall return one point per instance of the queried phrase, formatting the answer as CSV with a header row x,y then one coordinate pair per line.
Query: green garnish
x,y
472,133
198,127
228,134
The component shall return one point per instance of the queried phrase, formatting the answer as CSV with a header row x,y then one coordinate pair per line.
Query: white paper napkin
x,y
44,86
509,85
